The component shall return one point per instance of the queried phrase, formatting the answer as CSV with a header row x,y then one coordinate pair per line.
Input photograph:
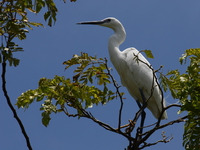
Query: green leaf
x,y
45,118
39,98
46,15
31,10
36,24
16,62
148,53
50,21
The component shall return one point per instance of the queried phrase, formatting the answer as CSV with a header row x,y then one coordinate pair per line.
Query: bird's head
x,y
109,22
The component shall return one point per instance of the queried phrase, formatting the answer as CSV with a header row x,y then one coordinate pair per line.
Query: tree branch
x,y
3,77
134,142
150,132
12,108
164,140
118,93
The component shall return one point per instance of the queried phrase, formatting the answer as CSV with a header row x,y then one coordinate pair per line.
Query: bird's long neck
x,y
114,42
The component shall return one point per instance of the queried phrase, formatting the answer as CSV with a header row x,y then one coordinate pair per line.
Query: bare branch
x,y
164,140
150,132
118,93
67,113
11,106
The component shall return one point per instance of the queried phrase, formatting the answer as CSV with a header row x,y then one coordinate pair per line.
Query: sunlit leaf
x,y
36,24
148,53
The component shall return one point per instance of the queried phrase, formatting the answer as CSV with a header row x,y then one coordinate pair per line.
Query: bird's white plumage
x,y
134,74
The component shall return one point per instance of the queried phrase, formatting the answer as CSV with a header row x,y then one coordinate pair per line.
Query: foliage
x,y
60,94
63,95
78,94
15,24
186,88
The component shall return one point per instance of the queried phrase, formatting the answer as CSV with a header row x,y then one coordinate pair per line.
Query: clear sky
x,y
165,27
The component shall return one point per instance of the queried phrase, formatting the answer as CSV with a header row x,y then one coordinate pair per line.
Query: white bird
x,y
135,75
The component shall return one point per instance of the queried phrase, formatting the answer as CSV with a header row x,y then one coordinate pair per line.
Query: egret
x,y
135,73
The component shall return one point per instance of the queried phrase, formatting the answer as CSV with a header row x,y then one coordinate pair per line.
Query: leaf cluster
x,y
79,93
6,54
14,20
186,88
14,23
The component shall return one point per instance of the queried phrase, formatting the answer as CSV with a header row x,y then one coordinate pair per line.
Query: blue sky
x,y
165,27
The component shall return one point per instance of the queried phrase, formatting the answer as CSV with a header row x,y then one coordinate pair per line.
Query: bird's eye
x,y
108,20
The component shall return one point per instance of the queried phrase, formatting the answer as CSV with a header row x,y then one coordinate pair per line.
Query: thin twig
x,y
120,96
150,132
67,113
164,140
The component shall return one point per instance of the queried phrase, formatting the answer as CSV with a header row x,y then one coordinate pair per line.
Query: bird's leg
x,y
143,114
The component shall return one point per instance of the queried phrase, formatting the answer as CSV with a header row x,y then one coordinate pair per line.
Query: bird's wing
x,y
139,68
139,74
